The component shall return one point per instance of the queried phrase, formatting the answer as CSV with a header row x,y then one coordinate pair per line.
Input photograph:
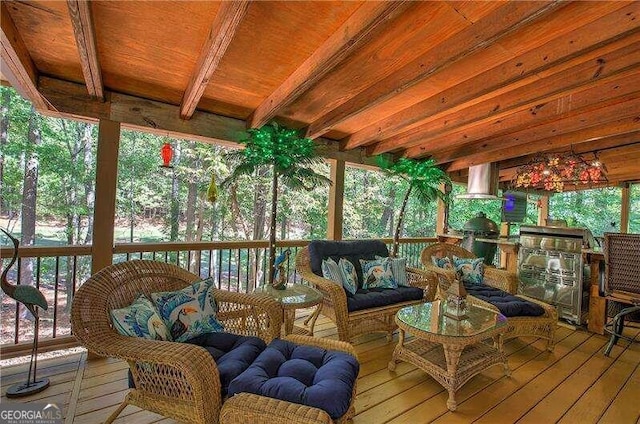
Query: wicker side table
x,y
296,296
448,350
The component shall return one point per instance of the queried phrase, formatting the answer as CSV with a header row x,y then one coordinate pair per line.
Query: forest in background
x,y
47,174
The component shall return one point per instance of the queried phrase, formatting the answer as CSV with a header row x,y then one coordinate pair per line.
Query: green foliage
x,y
597,209
423,176
282,149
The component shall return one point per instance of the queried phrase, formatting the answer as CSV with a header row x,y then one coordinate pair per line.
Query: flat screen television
x,y
514,206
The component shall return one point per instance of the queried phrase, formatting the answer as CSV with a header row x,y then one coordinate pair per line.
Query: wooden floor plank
x,y
625,408
595,401
558,401
522,400
474,407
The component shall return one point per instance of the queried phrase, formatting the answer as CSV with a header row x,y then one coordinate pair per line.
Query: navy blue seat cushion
x,y
351,250
301,374
376,297
508,304
232,354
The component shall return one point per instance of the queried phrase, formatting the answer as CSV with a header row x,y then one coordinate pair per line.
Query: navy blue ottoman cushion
x,y
508,304
232,353
351,250
376,297
301,374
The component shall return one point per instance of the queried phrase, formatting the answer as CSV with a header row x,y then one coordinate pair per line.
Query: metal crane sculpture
x,y
32,299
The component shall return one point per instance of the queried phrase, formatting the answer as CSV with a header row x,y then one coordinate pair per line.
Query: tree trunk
x,y
386,221
396,236
29,196
192,195
89,177
4,136
272,227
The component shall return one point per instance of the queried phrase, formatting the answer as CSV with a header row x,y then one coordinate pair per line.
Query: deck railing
x,y
59,271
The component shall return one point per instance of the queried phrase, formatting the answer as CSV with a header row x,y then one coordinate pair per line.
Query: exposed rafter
x,y
17,65
357,30
223,29
506,20
141,114
461,126
82,21
498,73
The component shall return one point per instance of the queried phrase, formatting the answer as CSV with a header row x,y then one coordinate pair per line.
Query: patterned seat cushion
x,y
301,374
373,298
508,304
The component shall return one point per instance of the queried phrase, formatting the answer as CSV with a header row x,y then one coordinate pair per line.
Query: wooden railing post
x,y
625,206
336,197
105,205
543,212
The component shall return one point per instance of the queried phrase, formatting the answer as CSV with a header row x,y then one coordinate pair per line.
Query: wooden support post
x,y
442,212
105,206
625,208
336,197
543,212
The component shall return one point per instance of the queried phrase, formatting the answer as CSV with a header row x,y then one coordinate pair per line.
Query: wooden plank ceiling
x,y
464,82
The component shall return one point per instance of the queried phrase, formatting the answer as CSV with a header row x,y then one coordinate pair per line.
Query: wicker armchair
x,y
353,324
177,380
492,276
543,326
620,280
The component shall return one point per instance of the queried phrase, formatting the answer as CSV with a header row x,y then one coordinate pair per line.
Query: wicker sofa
x,y
336,303
542,326
181,380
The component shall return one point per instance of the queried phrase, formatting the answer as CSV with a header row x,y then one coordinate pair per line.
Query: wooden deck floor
x,y
574,384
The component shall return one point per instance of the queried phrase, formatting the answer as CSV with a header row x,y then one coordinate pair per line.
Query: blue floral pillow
x,y
189,312
377,274
140,319
469,270
349,275
442,262
398,270
331,271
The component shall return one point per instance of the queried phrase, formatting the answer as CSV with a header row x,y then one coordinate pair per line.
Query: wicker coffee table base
x,y
450,364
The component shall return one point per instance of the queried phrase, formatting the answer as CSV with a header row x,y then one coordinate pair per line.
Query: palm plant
x,y
290,158
423,176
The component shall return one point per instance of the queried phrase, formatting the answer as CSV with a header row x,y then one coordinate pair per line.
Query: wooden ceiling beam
x,y
366,21
505,150
596,37
72,100
17,65
506,20
222,31
82,21
527,105
613,143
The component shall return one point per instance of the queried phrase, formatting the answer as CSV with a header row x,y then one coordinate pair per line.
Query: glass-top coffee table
x,y
295,296
449,350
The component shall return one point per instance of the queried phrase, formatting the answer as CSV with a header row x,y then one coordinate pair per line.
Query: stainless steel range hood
x,y
482,183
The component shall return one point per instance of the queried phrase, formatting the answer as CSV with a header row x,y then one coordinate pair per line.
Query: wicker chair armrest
x,y
423,279
250,408
161,367
249,314
500,279
330,290
328,344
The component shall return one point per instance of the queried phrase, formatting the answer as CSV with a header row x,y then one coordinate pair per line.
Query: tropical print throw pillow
x,y
398,270
442,262
349,275
469,270
331,271
140,319
189,312
377,274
